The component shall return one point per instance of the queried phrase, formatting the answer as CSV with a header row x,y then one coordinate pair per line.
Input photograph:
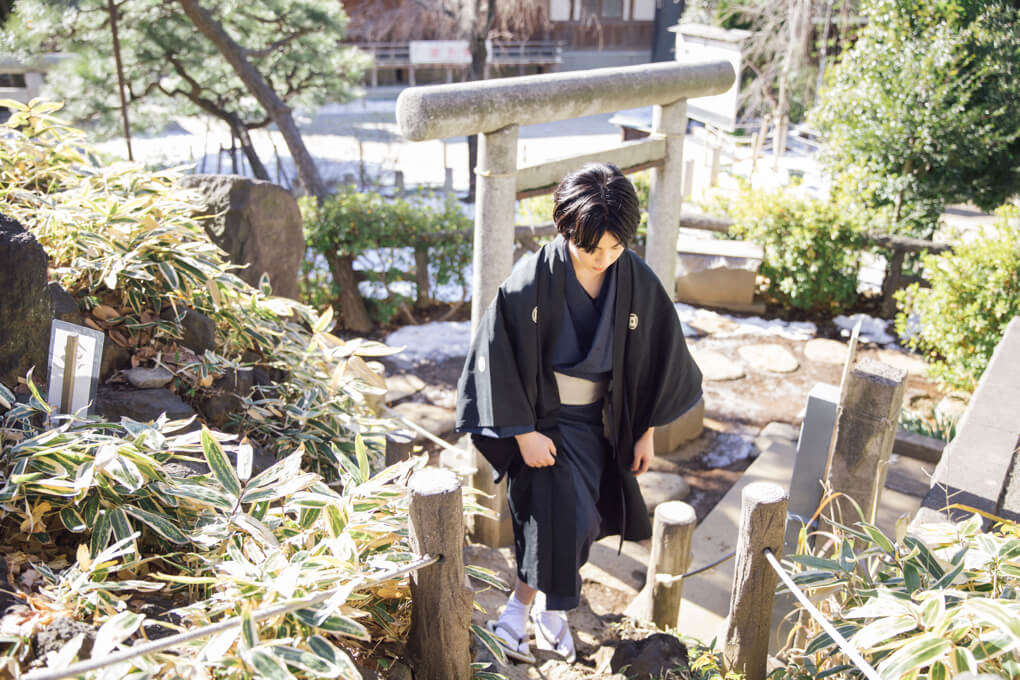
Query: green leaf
x,y
279,489
7,399
925,557
489,641
879,538
486,576
1005,618
337,521
220,464
158,523
72,520
249,632
334,656
362,453
256,529
100,534
117,629
194,490
883,630
817,563
334,624
917,653
964,660
267,665
305,660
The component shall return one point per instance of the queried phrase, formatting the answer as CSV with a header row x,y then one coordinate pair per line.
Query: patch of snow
x,y
752,325
434,341
728,448
873,329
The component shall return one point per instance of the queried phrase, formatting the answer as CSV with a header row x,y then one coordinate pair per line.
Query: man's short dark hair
x,y
593,200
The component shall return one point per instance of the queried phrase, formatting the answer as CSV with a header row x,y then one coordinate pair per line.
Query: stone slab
x,y
402,385
669,438
436,420
911,363
770,358
148,378
826,351
812,455
716,365
662,487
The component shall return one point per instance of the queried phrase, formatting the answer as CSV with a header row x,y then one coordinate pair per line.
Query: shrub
x,y
124,242
812,249
933,604
975,292
351,223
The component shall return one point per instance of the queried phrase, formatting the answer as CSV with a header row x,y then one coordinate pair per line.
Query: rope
x,y
175,640
841,641
415,426
668,580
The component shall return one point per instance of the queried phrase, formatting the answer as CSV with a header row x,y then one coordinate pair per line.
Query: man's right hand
x,y
536,449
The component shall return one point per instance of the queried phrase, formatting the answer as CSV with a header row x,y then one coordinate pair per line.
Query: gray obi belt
x,y
579,391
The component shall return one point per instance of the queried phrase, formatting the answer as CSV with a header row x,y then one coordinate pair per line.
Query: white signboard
x,y
440,52
75,355
718,110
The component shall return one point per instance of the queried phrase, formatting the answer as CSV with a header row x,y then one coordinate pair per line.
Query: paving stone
x,y
403,385
148,378
714,324
911,363
825,351
436,420
660,487
716,366
771,358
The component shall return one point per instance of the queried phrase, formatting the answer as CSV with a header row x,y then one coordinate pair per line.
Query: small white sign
x,y
440,52
75,356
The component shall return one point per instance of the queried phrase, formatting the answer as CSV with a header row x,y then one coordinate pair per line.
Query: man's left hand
x,y
644,451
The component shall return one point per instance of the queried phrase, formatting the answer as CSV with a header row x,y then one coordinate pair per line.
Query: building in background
x,y
529,36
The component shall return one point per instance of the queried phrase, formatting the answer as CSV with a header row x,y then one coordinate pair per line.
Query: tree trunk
x,y
349,305
477,31
244,138
352,304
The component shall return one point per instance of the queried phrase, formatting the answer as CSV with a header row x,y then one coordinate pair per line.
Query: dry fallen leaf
x,y
105,313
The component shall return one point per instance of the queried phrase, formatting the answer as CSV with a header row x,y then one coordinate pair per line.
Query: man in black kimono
x,y
578,358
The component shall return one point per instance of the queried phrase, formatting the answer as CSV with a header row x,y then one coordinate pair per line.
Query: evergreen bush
x,y
975,292
812,249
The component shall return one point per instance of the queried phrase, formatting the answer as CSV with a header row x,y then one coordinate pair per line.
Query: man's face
x,y
607,251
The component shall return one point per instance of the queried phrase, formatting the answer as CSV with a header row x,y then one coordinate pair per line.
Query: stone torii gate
x,y
495,109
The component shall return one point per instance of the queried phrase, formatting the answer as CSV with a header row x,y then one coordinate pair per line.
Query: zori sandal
x,y
552,633
514,646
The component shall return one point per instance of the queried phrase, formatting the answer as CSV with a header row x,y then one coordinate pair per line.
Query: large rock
x,y
141,405
228,393
26,311
258,223
65,307
653,657
198,331
716,273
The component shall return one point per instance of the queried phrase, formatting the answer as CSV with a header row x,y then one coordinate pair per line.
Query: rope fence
x,y
258,615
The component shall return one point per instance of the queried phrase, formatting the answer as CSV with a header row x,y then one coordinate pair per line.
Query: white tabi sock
x,y
515,615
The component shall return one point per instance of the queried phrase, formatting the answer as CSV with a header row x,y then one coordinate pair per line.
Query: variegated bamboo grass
x,y
220,626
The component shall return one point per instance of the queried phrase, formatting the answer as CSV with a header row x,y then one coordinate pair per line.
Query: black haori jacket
x,y
508,376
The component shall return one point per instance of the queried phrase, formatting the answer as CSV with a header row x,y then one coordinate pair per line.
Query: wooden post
x,y
438,644
659,600
762,524
70,367
448,182
421,276
398,184
398,446
866,424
